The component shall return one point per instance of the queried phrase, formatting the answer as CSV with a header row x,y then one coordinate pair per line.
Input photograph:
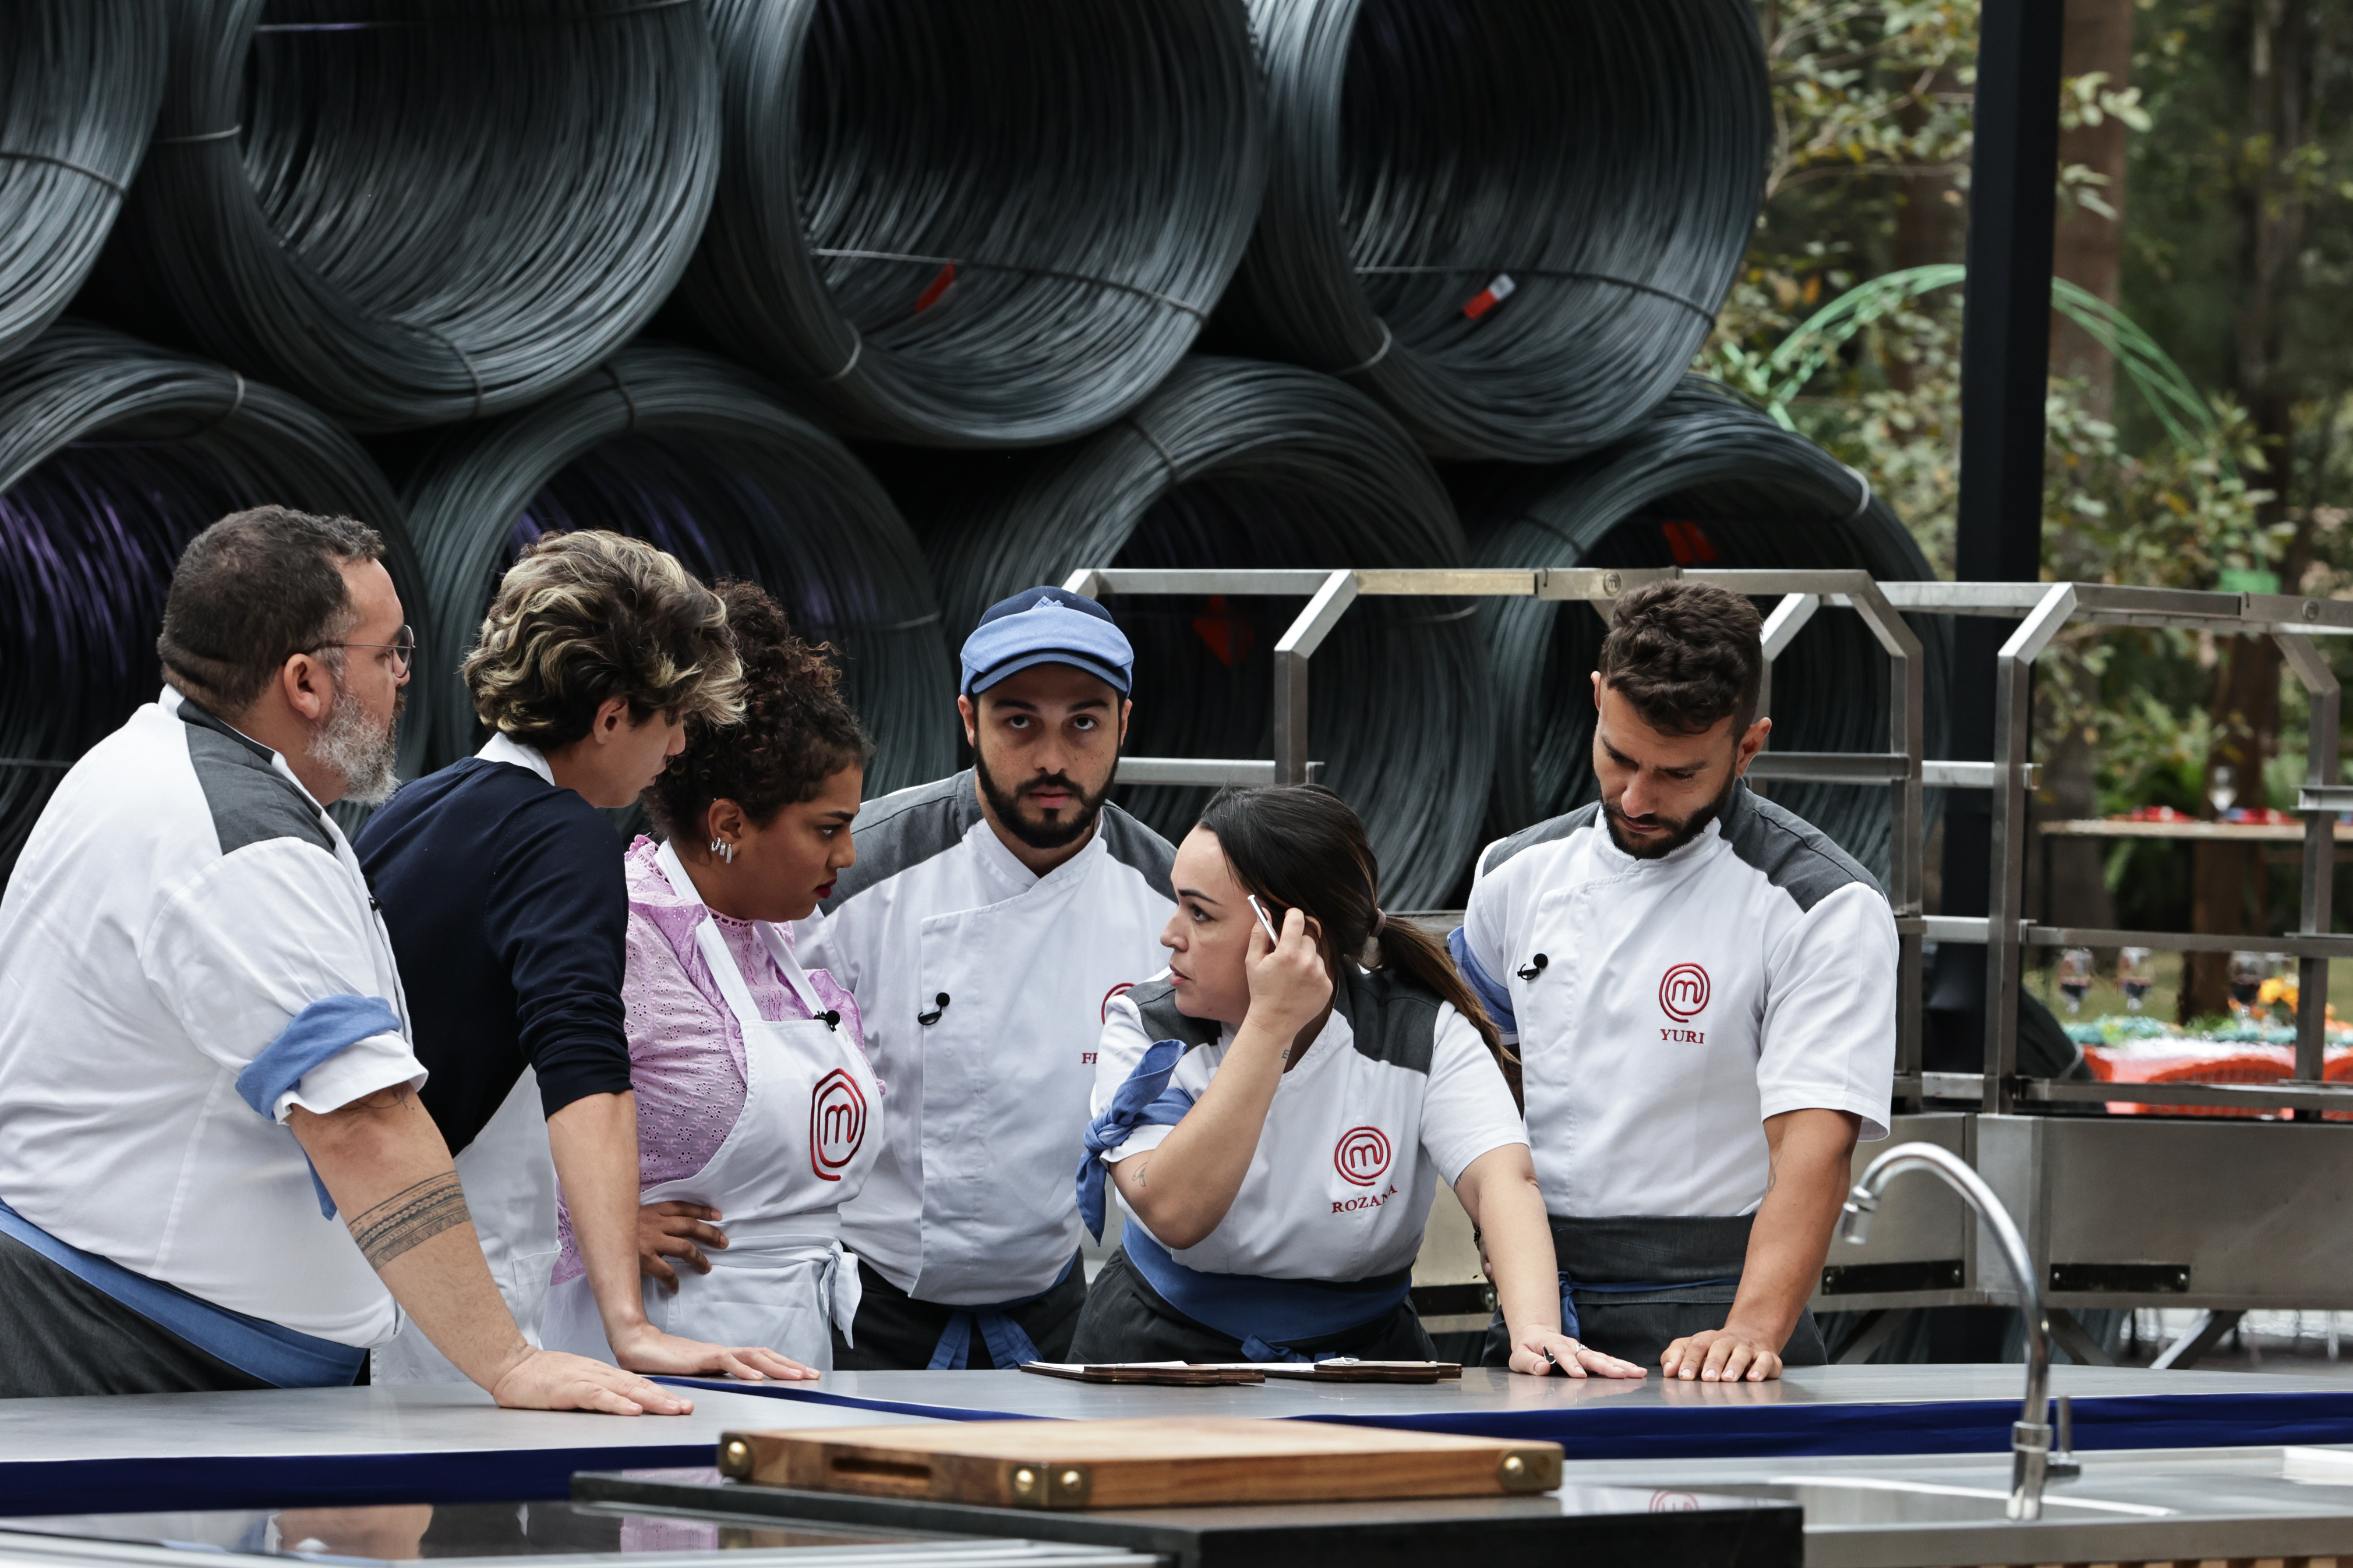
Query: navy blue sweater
x,y
509,914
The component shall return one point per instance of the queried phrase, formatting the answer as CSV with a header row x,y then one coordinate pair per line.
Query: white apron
x,y
800,1147
509,1176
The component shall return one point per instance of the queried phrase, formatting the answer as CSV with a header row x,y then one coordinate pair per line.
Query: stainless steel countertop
x,y
1487,1389
438,1418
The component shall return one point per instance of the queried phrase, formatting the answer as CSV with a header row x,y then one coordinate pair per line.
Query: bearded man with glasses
x,y
215,1170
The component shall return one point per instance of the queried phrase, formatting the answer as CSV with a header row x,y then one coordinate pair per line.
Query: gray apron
x,y
1637,1283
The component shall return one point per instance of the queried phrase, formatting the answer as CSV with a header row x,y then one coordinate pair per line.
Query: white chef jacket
x,y
182,898
985,1107
1356,1139
1681,1001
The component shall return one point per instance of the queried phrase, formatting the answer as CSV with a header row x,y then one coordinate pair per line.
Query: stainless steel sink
x,y
1933,1510
1832,1501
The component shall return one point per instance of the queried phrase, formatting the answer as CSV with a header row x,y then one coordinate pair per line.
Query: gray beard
x,y
350,743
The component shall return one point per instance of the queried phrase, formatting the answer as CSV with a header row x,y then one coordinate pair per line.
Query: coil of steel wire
x,y
412,212
698,455
1238,464
1706,480
79,83
993,223
112,455
1511,221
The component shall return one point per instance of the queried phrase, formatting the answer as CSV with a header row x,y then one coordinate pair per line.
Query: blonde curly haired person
x,y
504,889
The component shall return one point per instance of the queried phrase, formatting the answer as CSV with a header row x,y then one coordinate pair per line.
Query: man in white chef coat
x,y
1700,987
215,1170
990,920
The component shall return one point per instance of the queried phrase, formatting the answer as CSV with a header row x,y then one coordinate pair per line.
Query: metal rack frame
x,y
2042,610
2046,609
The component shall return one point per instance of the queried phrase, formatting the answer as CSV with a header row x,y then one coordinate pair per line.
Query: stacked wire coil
x,y
112,456
1705,482
79,83
995,223
412,212
1247,465
1511,221
700,457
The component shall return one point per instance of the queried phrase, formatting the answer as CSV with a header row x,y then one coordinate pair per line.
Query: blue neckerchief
x,y
324,1029
1496,999
1008,1346
1269,1313
1144,1099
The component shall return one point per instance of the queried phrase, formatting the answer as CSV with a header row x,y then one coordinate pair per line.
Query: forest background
x,y
2206,194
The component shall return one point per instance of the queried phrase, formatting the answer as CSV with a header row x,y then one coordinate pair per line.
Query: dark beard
x,y
1693,825
1035,832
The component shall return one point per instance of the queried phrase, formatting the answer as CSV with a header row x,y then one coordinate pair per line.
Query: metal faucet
x,y
2030,1437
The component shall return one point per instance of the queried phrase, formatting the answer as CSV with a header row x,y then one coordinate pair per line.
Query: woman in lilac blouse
x,y
755,1103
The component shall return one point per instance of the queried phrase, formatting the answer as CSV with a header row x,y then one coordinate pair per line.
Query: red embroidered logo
x,y
1362,1156
1122,989
1683,993
836,1124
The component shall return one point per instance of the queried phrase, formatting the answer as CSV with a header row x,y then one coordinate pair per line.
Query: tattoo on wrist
x,y
410,1217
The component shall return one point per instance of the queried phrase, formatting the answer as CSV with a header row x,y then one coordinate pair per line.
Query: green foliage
x,y
1845,323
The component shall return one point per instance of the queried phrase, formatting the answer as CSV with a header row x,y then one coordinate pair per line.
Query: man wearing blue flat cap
x,y
990,920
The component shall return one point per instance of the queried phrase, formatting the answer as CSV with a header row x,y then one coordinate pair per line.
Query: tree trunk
x,y
2089,248
2226,885
1931,219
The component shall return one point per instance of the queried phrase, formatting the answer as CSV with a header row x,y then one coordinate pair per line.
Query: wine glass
x,y
2248,972
2134,975
2075,977
2221,789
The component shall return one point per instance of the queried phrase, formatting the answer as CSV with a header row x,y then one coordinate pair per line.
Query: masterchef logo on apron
x,y
1362,1156
836,1123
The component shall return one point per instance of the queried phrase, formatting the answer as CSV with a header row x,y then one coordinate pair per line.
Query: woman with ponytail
x,y
1276,1110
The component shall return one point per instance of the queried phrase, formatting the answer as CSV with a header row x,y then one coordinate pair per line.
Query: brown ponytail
x,y
1300,847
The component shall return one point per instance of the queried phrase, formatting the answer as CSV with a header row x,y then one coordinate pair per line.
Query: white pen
x,y
1259,909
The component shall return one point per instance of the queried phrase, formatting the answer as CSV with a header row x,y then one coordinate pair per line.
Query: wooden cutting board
x,y
1149,1463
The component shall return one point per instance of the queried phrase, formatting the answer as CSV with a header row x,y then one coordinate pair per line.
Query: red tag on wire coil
x,y
941,282
1492,295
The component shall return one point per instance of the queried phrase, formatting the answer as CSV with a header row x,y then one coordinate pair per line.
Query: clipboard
x,y
1162,1373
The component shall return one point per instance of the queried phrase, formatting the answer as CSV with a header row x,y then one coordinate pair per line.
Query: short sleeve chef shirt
x,y
181,900
1681,1000
1352,1151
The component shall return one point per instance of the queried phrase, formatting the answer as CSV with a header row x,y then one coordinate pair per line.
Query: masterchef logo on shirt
x,y
1682,996
1362,1156
836,1124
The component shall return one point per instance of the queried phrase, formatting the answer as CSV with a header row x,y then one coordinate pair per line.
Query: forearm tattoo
x,y
410,1217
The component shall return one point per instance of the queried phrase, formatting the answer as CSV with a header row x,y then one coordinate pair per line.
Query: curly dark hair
x,y
796,732
1686,655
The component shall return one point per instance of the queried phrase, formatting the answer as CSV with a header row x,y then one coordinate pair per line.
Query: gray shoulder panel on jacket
x,y
1794,855
1155,1004
1545,832
904,830
1394,1019
251,802
1131,843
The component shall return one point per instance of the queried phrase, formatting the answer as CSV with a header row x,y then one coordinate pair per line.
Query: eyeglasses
x,y
404,651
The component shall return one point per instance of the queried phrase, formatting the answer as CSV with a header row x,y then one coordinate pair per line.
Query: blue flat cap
x,y
1047,625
